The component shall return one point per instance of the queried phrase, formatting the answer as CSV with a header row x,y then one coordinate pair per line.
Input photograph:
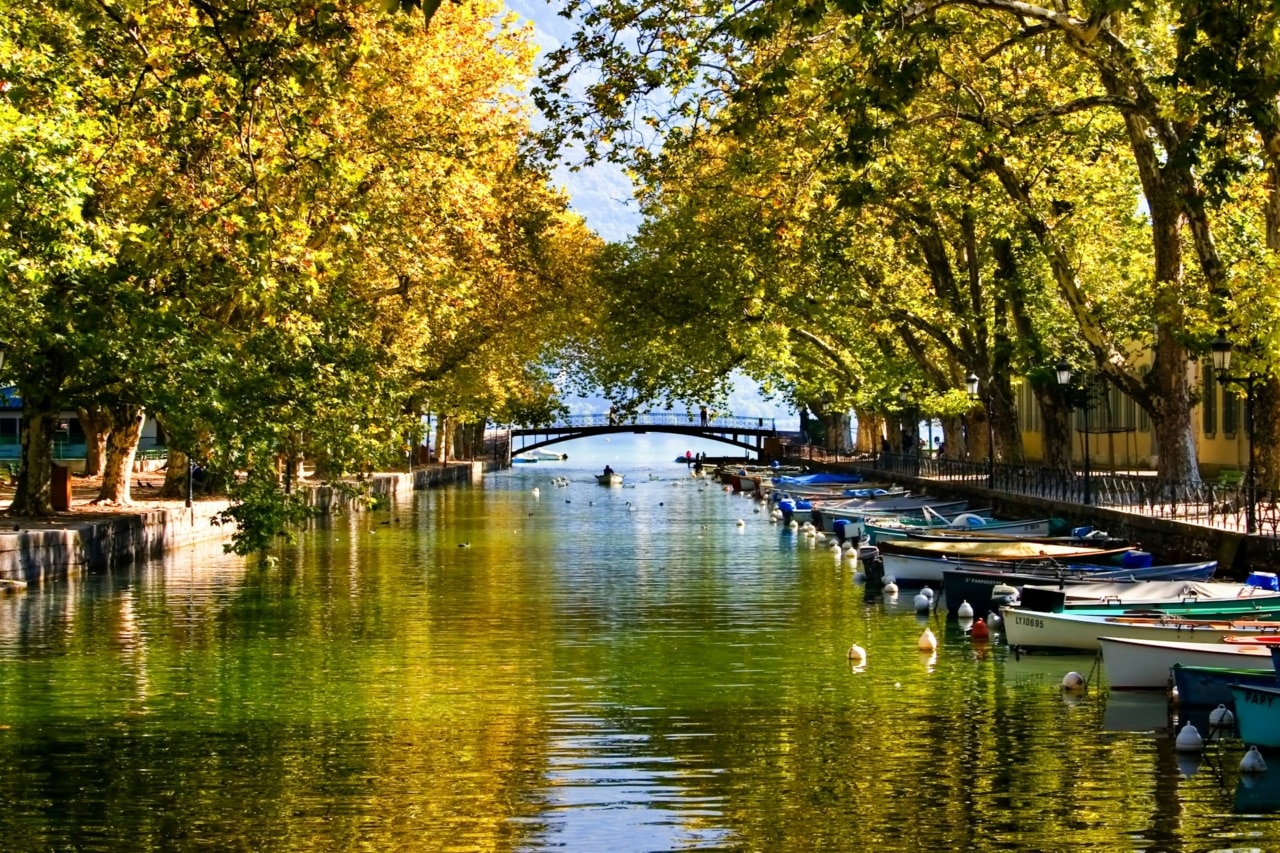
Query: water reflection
x,y
627,671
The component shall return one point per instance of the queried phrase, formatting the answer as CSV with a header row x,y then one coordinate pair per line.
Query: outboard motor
x,y
1003,595
788,508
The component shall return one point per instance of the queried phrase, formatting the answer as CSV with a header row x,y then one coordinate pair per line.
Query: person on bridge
x,y
613,418
702,413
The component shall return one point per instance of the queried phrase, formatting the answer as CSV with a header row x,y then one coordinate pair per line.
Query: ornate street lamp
x,y
1220,348
971,385
1063,371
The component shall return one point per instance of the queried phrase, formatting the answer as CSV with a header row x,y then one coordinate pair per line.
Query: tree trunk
x,y
1004,412
96,425
870,431
1266,431
837,426
175,474
34,495
444,439
1055,427
1171,417
122,445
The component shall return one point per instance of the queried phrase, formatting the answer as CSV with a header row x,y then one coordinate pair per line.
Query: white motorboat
x,y
1030,629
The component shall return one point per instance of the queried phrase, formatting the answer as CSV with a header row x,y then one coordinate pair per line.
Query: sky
x,y
602,193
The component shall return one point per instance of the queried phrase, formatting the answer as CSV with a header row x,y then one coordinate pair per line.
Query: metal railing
x,y
673,419
1212,504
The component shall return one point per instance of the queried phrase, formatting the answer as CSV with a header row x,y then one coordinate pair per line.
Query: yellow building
x,y
1120,435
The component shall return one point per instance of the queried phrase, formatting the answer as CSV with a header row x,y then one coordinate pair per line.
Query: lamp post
x,y
1063,371
1221,350
971,385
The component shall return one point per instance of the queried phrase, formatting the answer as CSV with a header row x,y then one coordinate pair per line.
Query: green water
x,y
585,675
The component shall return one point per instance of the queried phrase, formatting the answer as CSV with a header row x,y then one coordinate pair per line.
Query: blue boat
x,y
1210,686
1258,714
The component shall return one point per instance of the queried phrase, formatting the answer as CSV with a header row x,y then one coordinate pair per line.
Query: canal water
x,y
626,669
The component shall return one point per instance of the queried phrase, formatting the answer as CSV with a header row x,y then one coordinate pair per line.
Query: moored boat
x,y
920,562
609,479
1210,686
974,581
960,528
1145,664
1258,715
1040,630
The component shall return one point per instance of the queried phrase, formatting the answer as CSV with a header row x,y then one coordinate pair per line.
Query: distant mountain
x,y
601,193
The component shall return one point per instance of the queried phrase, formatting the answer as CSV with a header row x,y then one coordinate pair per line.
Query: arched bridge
x,y
747,433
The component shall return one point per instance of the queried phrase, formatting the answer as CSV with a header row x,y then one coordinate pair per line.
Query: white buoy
x,y
834,546
741,523
1073,681
1253,762
928,642
891,589
857,653
994,620
890,579
1189,739
1221,716
794,525
965,611
922,603
927,591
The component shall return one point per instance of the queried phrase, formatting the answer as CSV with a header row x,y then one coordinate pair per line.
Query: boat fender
x,y
965,610
994,620
927,591
1253,762
980,631
857,653
928,642
1221,717
1189,739
1073,682
891,588
922,603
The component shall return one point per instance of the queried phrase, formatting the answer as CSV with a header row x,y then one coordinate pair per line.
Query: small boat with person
x,y
609,477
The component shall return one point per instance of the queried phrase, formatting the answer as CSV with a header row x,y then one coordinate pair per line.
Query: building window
x,y
1230,412
1028,407
1209,401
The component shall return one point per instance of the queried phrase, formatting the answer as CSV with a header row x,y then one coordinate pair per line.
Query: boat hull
x,y
1146,664
1038,630
905,533
1210,686
1258,715
609,479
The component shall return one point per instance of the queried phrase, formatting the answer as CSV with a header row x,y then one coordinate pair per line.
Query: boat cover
x,y
1155,591
821,479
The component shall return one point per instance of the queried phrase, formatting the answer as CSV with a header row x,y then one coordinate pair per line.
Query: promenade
x,y
1175,521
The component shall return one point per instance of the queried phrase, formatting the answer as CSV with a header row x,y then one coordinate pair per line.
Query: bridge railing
x,y
656,419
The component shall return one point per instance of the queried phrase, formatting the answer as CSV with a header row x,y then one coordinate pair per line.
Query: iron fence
x,y
1208,503
670,419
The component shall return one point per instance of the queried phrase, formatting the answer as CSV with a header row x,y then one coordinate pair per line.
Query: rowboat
x,y
1258,714
1038,630
1145,664
920,562
966,526
1210,686
974,581
609,479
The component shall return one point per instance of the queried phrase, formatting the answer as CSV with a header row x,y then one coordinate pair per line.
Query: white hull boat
x,y
609,479
1145,664
1030,629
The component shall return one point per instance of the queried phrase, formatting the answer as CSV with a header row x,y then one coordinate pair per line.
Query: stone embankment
x,y
96,539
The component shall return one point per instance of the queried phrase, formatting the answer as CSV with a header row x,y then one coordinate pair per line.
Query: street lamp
x,y
1220,348
971,385
1063,371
